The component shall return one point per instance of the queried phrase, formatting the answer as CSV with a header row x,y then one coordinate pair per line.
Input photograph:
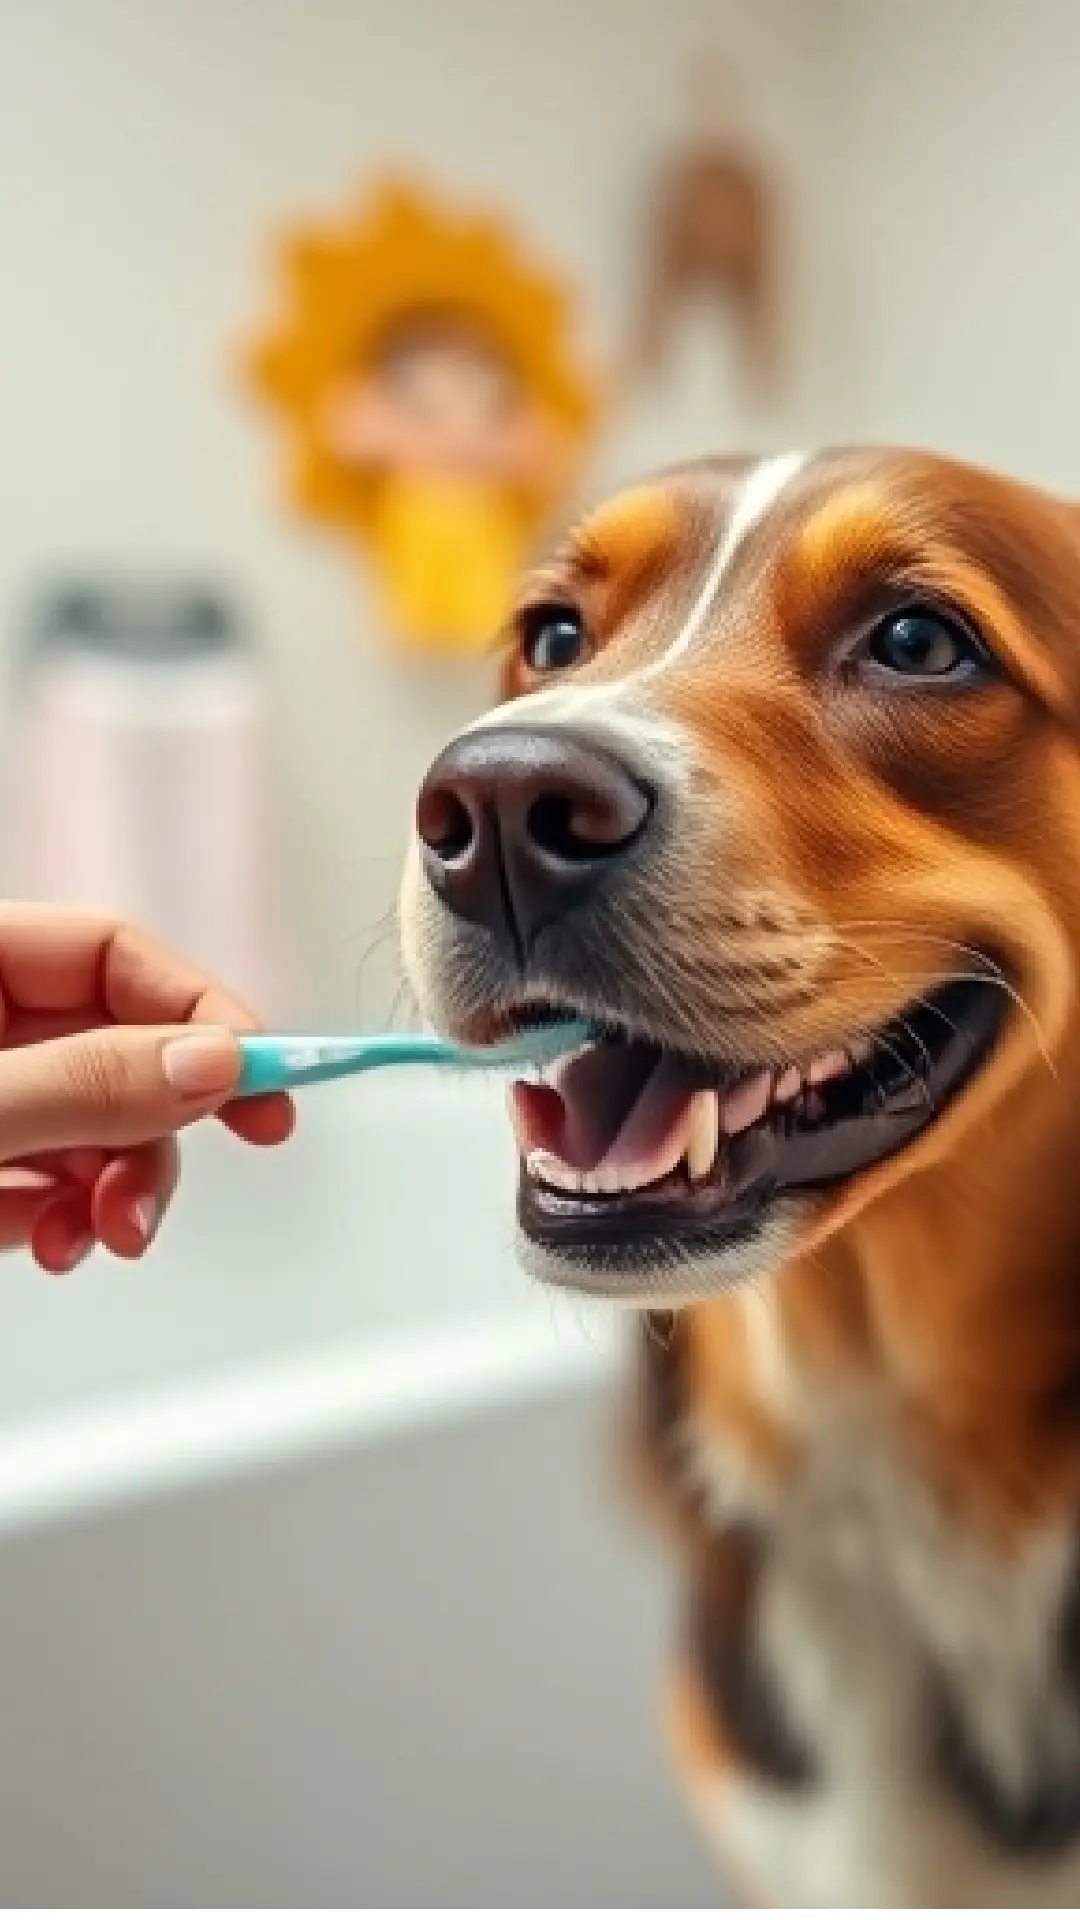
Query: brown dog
x,y
790,808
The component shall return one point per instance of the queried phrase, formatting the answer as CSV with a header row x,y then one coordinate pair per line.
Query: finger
x,y
131,1196
81,1164
51,1169
143,980
62,1235
50,955
58,960
52,958
266,1120
27,1025
22,1200
262,1120
115,1087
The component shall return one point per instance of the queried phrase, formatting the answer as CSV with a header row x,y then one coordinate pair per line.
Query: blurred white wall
x,y
958,147
147,149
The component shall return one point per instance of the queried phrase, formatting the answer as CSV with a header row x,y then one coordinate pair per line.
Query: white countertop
x,y
356,1284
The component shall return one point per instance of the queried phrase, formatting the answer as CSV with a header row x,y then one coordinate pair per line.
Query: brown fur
x,y
848,852
942,826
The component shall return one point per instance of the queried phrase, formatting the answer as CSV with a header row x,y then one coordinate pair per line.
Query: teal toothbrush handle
x,y
277,1062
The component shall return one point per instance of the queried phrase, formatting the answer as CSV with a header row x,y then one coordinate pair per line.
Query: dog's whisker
x,y
990,970
404,997
997,981
383,927
864,954
894,1052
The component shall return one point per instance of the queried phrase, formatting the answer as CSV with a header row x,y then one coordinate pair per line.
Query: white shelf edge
x,y
137,1447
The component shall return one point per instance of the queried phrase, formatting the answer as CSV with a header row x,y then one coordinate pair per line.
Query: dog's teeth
x,y
703,1133
828,1066
746,1103
601,1180
553,1172
787,1086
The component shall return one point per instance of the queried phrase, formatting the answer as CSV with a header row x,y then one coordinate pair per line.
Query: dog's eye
x,y
921,644
552,637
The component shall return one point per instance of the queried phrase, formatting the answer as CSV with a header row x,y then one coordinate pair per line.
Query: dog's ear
x,y
1045,566
1025,546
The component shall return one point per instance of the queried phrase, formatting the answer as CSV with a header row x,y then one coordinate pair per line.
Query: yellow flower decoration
x,y
433,409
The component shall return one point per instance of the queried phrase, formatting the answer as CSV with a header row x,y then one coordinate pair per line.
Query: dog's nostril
x,y
575,828
516,826
444,823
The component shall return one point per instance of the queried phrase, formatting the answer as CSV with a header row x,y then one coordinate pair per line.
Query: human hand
x,y
109,1044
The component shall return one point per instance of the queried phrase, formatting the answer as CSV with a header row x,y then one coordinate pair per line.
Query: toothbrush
x,y
275,1062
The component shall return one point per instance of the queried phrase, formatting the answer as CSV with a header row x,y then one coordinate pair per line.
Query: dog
x,y
784,799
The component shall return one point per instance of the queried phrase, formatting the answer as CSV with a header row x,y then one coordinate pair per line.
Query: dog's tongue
x,y
624,1097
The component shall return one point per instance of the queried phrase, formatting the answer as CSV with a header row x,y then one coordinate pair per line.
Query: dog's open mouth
x,y
633,1154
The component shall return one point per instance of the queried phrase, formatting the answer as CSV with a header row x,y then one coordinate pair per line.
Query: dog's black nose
x,y
518,825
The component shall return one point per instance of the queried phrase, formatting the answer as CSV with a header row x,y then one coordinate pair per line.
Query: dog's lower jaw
x,y
678,1281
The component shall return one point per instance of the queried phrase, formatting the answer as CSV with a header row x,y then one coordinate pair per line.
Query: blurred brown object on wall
x,y
713,232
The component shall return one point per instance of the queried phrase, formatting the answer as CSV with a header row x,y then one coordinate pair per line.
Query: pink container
x,y
144,777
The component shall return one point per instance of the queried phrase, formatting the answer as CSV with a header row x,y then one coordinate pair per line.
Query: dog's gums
x,y
626,1144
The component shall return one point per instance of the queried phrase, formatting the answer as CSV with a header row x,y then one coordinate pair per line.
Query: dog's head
x,y
785,797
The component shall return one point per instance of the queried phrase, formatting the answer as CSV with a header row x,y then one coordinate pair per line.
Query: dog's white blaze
x,y
609,706
760,491
616,722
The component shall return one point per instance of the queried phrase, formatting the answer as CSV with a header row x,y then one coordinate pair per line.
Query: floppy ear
x,y
1025,544
1070,611
1043,556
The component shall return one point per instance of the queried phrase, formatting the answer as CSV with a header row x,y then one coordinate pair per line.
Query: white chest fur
x,y
871,1595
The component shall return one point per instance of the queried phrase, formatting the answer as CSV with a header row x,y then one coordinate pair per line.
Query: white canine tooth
x,y
788,1084
703,1133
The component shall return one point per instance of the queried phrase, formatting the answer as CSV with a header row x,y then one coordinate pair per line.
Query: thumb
x,y
112,1086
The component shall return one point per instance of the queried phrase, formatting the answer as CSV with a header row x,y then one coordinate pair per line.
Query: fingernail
x,y
200,1065
143,1215
79,1252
